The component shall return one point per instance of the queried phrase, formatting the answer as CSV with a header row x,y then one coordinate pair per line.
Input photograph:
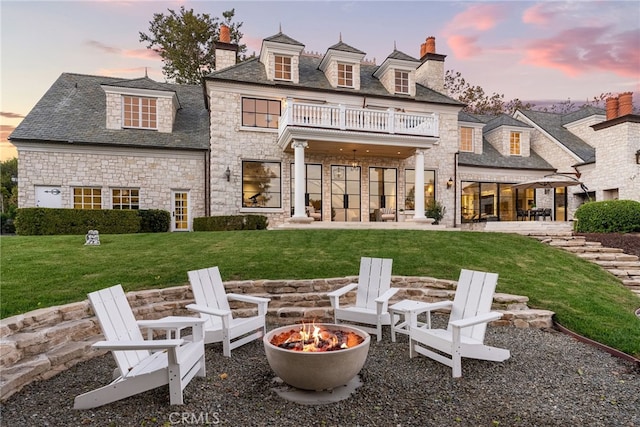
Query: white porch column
x,y
419,192
300,178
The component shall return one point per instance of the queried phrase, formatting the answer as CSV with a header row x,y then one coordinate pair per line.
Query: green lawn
x,y
41,271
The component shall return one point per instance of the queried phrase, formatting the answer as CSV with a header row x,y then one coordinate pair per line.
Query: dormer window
x,y
139,112
515,148
402,81
466,139
282,67
345,75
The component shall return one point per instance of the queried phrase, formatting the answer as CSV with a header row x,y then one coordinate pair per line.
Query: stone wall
x,y
39,344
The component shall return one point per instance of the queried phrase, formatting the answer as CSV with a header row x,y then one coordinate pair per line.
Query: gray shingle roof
x,y
503,120
343,47
491,158
396,54
552,123
283,38
252,72
74,110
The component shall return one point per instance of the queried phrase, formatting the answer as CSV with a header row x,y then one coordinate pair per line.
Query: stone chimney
x,y
225,50
625,104
612,108
431,72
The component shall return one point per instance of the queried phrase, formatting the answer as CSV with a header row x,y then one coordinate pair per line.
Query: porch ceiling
x,y
342,143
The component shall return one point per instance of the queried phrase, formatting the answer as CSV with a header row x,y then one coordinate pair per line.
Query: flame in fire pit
x,y
312,338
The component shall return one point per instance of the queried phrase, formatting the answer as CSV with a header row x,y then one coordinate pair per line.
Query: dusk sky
x,y
534,51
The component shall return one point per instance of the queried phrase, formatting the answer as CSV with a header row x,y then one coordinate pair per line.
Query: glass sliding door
x,y
382,190
345,193
560,204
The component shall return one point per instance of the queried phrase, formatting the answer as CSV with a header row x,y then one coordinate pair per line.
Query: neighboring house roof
x,y
491,158
73,110
252,71
552,123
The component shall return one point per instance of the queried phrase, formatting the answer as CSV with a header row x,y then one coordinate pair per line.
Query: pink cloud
x,y
10,115
127,53
464,46
480,17
538,14
580,50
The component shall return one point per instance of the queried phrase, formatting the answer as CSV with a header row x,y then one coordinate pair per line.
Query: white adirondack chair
x,y
212,302
372,297
464,336
143,364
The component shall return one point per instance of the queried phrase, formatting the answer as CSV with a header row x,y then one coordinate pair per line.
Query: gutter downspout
x,y
455,190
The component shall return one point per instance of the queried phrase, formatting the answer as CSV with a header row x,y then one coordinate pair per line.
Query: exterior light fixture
x,y
450,183
354,162
227,174
638,157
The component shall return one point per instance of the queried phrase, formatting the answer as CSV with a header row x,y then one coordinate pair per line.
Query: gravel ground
x,y
550,380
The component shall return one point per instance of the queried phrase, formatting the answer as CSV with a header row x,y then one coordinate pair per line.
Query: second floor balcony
x,y
359,119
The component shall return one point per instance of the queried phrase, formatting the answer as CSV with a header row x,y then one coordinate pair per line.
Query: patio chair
x,y
464,336
143,364
387,214
372,296
212,302
521,213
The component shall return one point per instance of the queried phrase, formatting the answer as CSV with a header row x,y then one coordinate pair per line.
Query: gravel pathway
x,y
550,380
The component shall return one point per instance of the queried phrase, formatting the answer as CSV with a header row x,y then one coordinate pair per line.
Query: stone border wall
x,y
39,344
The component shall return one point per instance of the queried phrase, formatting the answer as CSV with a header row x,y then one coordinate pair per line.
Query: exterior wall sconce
x,y
354,162
638,157
227,174
450,183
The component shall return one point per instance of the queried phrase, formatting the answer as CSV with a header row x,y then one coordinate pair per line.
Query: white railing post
x,y
343,119
392,120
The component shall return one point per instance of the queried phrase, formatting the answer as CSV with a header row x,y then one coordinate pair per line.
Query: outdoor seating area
x,y
177,358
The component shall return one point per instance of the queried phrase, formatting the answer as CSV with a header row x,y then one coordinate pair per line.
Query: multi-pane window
x,y
514,144
125,198
261,113
410,188
139,112
283,67
466,139
402,81
345,75
261,184
87,198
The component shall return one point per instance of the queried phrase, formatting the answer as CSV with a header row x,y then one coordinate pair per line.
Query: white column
x,y
300,177
419,193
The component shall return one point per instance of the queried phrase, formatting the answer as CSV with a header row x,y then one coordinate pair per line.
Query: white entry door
x,y
48,197
180,213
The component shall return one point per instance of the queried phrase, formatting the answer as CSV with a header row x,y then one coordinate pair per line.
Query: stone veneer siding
x,y
155,172
40,344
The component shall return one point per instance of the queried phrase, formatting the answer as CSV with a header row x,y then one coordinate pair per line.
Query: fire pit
x,y
316,356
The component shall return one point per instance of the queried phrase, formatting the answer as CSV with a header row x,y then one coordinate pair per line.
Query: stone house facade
x,y
288,133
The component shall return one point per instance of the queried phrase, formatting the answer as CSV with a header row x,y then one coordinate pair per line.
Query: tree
x,y
477,101
186,42
9,193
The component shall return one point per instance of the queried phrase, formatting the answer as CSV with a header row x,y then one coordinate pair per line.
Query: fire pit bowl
x,y
317,370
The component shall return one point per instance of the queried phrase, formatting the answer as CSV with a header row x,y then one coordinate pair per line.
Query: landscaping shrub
x,y
230,222
154,221
49,221
435,210
611,216
7,224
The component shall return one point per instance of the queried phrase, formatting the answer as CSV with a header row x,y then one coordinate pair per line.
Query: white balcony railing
x,y
358,119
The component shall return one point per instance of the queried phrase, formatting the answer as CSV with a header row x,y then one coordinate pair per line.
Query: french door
x,y
345,193
180,212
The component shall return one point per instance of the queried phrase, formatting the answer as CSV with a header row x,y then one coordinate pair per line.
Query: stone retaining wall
x,y
39,344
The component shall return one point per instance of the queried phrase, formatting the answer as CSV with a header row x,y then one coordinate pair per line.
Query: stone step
x,y
627,265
